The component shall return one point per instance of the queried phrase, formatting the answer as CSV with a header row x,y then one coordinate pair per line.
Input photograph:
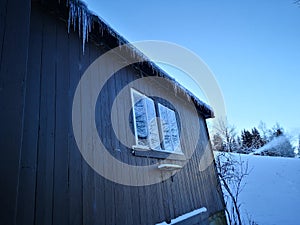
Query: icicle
x,y
152,67
175,88
188,96
73,15
82,15
83,31
90,23
69,19
119,43
88,30
79,15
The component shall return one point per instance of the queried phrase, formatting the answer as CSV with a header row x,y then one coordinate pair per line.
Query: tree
x,y
299,144
232,171
257,140
217,143
279,146
264,131
239,145
227,133
272,142
252,140
286,149
297,154
246,139
277,131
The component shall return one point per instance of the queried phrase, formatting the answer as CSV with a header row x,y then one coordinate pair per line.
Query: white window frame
x,y
133,91
149,142
160,132
173,147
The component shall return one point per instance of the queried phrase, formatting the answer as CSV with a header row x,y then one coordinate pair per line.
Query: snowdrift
x,y
272,192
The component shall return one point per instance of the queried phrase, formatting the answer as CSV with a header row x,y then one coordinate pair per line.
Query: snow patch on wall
x,y
185,216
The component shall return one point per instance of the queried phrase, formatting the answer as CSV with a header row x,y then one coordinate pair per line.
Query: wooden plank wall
x,y
14,35
55,185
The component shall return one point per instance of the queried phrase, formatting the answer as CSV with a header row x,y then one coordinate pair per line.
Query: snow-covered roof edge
x,y
82,18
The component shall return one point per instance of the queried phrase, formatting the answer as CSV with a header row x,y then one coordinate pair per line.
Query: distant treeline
x,y
260,141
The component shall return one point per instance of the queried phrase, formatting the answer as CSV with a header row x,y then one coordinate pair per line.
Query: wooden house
x,y
45,178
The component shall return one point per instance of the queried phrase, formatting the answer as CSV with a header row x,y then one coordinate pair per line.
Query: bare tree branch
x,y
232,172
227,133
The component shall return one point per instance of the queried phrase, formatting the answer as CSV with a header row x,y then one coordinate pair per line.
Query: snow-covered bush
x,y
279,146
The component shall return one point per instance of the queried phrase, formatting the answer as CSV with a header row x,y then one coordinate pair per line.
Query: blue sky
x,y
252,47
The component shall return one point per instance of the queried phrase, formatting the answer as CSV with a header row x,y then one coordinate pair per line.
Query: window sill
x,y
143,151
169,167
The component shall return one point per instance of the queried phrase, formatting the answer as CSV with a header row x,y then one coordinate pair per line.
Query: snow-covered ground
x,y
272,192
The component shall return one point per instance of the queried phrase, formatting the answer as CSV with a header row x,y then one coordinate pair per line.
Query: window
x,y
169,129
146,129
150,132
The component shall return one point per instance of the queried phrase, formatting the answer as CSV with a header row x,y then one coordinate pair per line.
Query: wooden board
x,y
3,10
46,141
27,182
75,158
14,34
62,120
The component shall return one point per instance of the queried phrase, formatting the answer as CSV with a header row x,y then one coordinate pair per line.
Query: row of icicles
x,y
78,12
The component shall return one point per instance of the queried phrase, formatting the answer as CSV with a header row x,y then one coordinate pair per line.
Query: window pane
x,y
147,133
174,131
152,125
140,119
165,126
170,133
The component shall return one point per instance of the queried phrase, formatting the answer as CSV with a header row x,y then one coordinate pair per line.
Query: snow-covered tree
x,y
251,140
217,143
257,140
246,139
279,146
272,142
227,133
264,131
239,144
298,145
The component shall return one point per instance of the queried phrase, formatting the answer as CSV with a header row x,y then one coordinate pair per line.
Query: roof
x,y
93,27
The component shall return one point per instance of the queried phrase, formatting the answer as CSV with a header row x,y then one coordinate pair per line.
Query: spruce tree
x,y
257,140
246,139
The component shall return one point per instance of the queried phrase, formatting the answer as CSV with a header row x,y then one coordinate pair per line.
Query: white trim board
x,y
185,216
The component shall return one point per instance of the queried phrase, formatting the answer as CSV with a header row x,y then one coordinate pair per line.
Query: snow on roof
x,y
82,18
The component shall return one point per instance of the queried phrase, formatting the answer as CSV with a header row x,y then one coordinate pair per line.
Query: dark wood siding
x,y
56,185
14,35
75,159
27,187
